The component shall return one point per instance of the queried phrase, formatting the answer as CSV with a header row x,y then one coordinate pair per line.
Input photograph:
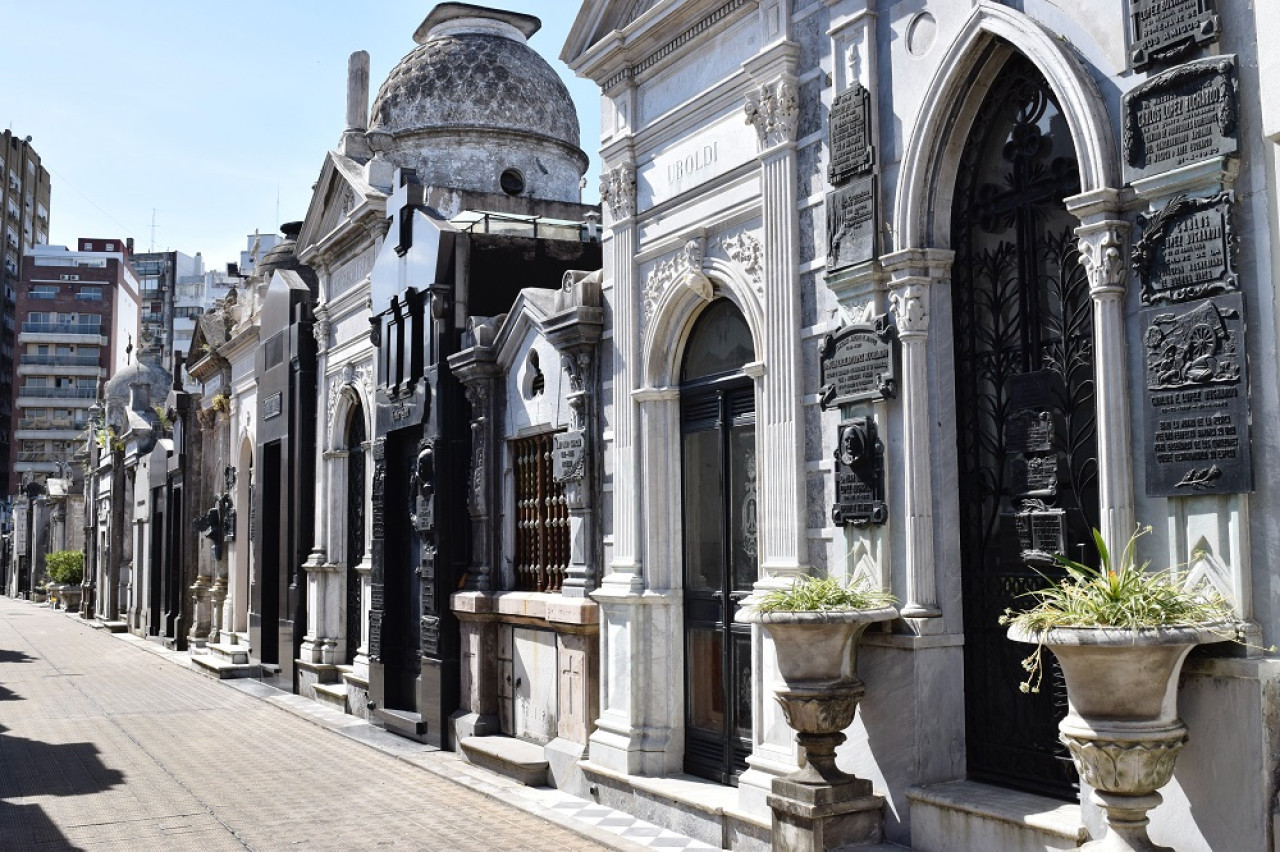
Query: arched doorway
x,y
1025,413
355,528
718,467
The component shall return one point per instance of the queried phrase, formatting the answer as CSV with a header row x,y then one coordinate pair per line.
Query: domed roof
x,y
283,255
155,379
473,71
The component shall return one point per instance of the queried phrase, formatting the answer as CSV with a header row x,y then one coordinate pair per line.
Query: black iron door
x,y
1025,418
355,528
720,566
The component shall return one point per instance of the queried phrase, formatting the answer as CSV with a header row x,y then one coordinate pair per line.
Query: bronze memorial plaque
x,y
859,362
859,474
1196,398
1184,115
1186,250
852,223
1165,30
849,139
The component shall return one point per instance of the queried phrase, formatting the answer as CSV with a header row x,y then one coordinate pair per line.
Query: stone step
x,y
406,723
332,694
238,654
967,816
522,761
222,668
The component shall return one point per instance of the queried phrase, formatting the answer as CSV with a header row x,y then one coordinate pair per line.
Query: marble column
x,y
618,191
1103,237
914,274
773,109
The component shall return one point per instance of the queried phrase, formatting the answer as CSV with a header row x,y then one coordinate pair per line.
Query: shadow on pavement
x,y
7,656
31,768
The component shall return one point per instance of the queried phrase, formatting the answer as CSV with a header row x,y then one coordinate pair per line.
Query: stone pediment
x,y
597,18
341,189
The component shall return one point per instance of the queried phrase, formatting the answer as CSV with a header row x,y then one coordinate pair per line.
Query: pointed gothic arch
x,y
921,214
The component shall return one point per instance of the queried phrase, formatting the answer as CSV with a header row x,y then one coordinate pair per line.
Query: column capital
x,y
773,108
618,191
909,302
1103,256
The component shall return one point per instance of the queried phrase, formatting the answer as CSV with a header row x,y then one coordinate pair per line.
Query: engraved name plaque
x,y
859,362
1164,30
1182,116
1196,398
1042,532
273,405
1186,250
568,456
851,149
852,221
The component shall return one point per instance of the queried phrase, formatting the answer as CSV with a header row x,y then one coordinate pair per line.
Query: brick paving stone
x,y
103,747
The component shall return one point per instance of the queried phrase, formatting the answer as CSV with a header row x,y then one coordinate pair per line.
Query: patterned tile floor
x,y
596,822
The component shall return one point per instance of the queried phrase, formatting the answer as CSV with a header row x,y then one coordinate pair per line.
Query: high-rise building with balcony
x,y
78,321
24,221
170,283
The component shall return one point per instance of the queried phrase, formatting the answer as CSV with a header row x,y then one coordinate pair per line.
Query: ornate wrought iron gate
x,y
1025,420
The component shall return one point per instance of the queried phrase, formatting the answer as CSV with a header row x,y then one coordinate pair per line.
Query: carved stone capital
x,y
1102,254
910,306
320,328
618,190
774,110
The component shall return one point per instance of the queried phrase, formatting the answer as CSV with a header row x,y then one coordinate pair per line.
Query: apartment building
x,y
24,200
77,322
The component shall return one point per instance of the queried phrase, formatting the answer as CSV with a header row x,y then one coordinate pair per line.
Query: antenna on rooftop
x,y
153,229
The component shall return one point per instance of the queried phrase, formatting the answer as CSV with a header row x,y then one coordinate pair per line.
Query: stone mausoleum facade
x,y
921,292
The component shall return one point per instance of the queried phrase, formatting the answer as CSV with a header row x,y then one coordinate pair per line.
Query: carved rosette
x,y
910,306
774,110
1102,254
618,190
1131,768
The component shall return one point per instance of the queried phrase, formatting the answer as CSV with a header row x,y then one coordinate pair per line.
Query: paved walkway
x,y
103,746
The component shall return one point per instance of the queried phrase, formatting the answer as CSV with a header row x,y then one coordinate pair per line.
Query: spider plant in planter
x,y
1120,634
815,625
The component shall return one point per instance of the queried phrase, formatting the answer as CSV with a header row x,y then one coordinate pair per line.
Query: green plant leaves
x,y
813,594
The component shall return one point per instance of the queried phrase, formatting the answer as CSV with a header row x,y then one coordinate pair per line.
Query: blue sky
x,y
207,112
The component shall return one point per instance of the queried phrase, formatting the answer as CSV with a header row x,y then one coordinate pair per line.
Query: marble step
x,y
516,759
232,653
332,694
223,668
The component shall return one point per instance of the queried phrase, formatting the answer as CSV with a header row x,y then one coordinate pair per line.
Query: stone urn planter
x,y
70,597
1122,726
818,659
55,594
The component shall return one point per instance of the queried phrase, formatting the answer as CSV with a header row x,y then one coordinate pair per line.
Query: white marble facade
x,y
715,152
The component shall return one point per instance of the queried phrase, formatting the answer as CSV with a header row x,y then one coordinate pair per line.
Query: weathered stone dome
x,y
473,107
472,69
154,379
283,255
